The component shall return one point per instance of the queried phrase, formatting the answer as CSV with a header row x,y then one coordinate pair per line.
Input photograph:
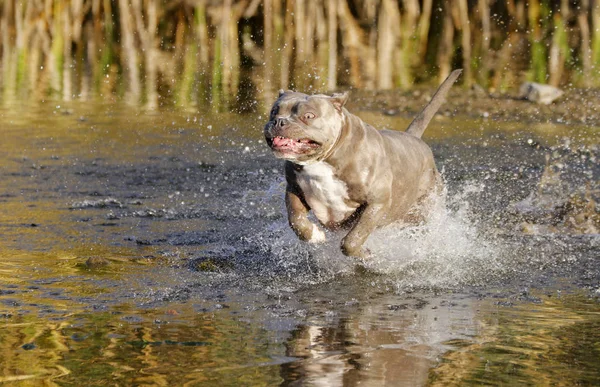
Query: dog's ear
x,y
282,92
339,100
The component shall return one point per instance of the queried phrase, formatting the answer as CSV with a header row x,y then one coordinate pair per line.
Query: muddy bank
x,y
576,106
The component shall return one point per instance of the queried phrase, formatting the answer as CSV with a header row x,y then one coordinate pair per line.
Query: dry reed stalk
x,y
185,85
516,14
34,63
41,87
94,45
446,46
201,32
585,51
55,57
67,82
42,84
216,86
423,30
288,46
129,60
6,52
227,56
86,68
268,54
322,50
80,70
505,64
332,27
179,45
23,30
186,51
203,43
108,65
34,51
596,40
351,35
219,16
538,68
309,39
387,42
486,36
318,64
300,41
146,27
511,10
279,28
304,25
234,50
465,27
559,49
369,51
406,57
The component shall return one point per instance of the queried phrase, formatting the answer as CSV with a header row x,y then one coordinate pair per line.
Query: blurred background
x,y
229,54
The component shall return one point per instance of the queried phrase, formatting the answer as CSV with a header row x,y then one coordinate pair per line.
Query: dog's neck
x,y
338,153
341,135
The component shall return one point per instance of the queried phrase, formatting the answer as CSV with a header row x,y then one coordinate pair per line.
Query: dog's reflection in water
x,y
382,344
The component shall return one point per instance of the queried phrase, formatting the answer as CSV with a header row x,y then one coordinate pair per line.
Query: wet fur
x,y
358,178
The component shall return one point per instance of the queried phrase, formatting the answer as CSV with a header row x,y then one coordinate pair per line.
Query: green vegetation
x,y
200,52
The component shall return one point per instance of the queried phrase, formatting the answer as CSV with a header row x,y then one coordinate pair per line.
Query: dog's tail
x,y
417,127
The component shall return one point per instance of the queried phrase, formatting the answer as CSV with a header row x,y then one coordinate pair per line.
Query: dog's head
x,y
304,128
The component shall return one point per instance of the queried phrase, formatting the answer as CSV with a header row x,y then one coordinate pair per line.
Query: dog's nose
x,y
281,122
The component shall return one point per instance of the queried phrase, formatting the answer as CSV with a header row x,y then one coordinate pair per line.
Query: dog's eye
x,y
309,116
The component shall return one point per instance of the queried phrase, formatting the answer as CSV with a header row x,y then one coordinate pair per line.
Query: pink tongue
x,y
280,141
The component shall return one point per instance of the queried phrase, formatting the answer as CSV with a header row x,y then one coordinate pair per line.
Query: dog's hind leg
x,y
365,225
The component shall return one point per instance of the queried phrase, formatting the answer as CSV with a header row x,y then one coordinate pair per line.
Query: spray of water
x,y
448,250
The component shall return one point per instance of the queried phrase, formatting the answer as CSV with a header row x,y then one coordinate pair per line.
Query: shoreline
x,y
577,106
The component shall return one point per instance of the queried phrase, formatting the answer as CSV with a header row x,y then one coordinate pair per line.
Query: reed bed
x,y
230,53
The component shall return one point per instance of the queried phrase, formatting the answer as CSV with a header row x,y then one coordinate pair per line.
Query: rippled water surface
x,y
152,249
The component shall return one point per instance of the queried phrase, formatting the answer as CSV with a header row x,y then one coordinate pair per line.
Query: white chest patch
x,y
326,195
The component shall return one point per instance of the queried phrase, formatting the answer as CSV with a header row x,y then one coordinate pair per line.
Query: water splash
x,y
449,250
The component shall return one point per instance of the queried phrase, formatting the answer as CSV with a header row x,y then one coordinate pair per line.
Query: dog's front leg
x,y
298,218
364,226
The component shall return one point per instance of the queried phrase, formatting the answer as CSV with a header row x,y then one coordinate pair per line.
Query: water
x,y
153,249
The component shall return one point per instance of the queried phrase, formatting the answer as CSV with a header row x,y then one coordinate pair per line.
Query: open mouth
x,y
284,144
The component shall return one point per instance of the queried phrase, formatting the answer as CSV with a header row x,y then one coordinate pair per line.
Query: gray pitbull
x,y
348,173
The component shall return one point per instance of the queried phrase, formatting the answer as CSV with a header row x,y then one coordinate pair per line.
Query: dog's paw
x,y
351,248
317,236
361,255
365,255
